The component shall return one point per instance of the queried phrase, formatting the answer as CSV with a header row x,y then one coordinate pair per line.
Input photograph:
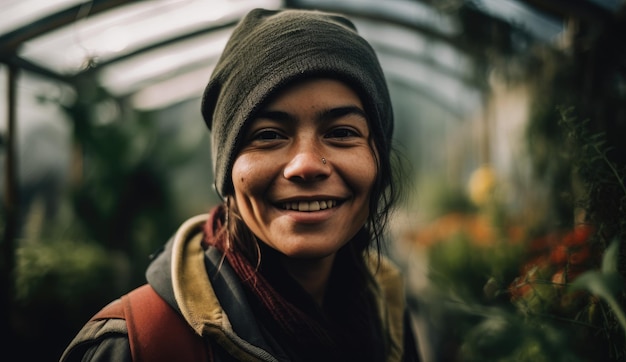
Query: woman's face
x,y
303,177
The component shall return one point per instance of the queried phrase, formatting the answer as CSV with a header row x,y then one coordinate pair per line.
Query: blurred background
x,y
510,114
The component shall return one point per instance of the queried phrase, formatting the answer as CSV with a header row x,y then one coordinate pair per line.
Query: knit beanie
x,y
270,49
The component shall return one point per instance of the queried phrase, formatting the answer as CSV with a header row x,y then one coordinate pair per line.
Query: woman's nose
x,y
307,165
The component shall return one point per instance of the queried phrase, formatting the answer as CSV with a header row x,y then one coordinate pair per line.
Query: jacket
x,y
202,287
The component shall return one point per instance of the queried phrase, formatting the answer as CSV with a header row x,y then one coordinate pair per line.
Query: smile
x,y
309,205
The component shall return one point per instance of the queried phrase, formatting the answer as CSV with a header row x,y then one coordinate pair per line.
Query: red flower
x,y
579,236
579,256
558,255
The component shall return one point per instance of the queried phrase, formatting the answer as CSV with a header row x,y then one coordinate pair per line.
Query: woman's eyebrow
x,y
323,115
275,115
339,112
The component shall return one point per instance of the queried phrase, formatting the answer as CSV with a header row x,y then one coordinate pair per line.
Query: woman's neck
x,y
311,274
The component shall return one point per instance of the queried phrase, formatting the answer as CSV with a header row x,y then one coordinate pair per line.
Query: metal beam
x,y
11,203
29,66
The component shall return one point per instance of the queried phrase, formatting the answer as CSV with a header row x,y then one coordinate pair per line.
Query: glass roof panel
x,y
412,12
430,66
130,27
422,48
24,12
444,88
173,89
130,75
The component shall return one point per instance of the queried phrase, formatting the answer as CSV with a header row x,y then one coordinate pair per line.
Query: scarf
x,y
347,328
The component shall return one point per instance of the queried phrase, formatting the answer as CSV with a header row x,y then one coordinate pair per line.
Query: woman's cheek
x,y
251,173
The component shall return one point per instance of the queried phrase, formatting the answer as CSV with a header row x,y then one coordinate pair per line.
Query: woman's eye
x,y
267,135
341,133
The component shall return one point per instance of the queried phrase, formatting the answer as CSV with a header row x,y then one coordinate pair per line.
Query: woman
x,y
301,125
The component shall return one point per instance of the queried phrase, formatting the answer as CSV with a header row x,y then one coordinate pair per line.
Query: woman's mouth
x,y
309,205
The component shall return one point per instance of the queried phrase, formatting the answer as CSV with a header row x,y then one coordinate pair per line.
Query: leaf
x,y
605,283
599,284
610,258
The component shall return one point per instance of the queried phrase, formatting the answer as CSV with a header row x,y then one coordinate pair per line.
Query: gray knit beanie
x,y
272,48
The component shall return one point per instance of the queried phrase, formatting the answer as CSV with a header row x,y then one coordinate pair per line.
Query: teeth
x,y
310,205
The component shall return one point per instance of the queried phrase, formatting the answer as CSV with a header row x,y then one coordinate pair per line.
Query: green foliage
x,y
61,270
605,283
118,208
505,337
59,285
543,315
458,265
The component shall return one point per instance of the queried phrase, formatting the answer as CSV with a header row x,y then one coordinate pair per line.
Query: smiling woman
x,y
286,268
279,164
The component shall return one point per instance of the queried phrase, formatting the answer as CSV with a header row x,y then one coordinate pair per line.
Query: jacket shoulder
x,y
100,340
